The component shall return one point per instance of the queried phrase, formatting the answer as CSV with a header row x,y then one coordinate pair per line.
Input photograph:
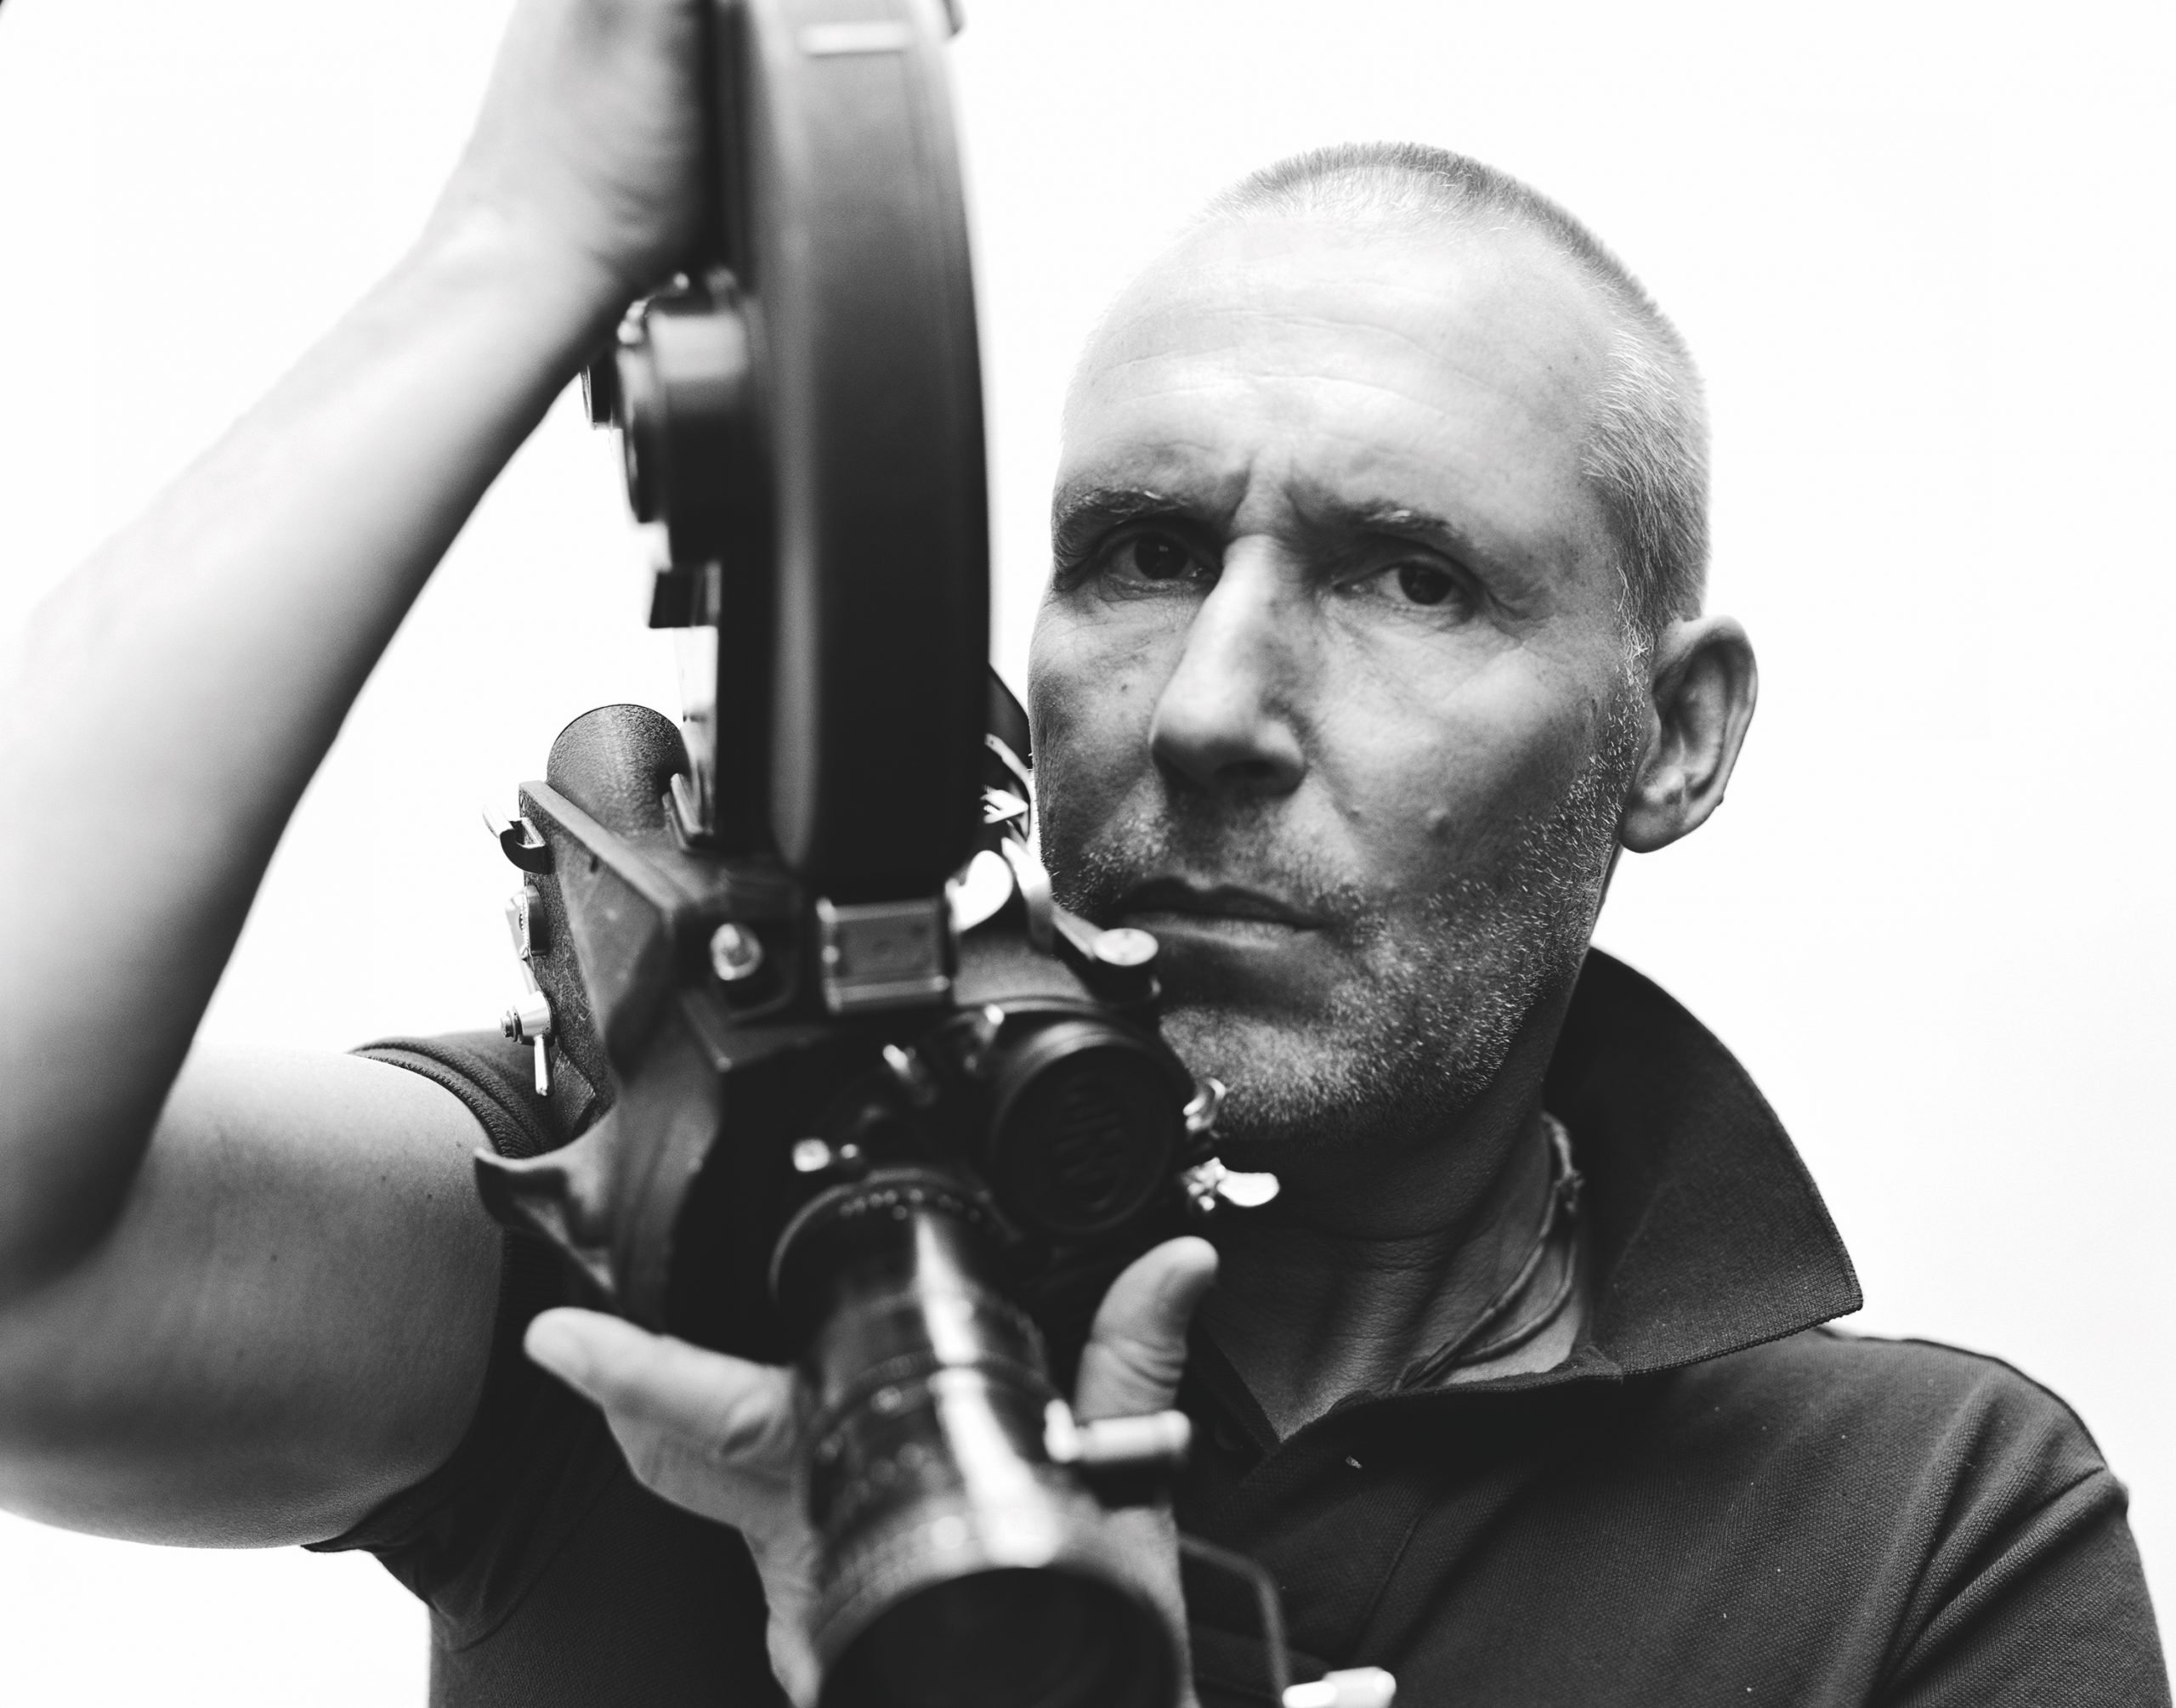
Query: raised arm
x,y
225,1317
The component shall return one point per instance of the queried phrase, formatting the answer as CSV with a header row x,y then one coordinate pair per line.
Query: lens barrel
x,y
1086,1126
959,1567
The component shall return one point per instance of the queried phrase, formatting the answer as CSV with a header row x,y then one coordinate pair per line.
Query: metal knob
x,y
529,1019
1118,966
1210,1186
1356,1687
736,953
1155,1441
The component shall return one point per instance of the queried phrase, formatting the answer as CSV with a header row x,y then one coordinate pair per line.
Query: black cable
x,y
1514,1338
1559,1209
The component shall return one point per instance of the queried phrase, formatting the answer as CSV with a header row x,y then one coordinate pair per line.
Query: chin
x,y
1393,1055
1292,1087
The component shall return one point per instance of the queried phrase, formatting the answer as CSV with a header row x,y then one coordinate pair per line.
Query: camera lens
x,y
959,1565
1087,1122
1039,1639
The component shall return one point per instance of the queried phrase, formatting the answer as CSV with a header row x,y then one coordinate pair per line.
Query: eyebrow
x,y
1119,501
1405,521
1076,510
1104,504
1078,514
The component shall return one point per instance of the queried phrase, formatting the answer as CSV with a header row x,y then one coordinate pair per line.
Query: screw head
x,y
1123,946
912,1074
736,953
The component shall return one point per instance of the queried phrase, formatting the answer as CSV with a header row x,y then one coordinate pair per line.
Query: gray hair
x,y
1646,450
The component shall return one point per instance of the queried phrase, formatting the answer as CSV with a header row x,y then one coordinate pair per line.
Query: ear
x,y
1705,685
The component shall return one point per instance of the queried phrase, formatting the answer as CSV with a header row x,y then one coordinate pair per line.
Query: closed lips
x,y
1213,902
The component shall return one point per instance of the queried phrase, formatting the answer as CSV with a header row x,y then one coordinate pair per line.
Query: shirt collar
x,y
1706,1232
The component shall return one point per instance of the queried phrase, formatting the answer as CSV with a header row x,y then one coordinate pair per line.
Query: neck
x,y
1363,1265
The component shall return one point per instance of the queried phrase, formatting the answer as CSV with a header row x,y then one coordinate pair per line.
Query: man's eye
x,y
1425,585
1153,558
1418,587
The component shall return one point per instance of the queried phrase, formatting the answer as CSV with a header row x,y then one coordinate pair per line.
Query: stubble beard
x,y
1442,987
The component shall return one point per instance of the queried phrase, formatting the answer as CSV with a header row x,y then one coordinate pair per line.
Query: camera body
x,y
905,1147
768,1053
877,1106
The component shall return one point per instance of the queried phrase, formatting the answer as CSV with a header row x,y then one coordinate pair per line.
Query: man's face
x,y
1330,688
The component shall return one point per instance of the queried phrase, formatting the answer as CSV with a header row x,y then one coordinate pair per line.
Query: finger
x,y
735,1411
1137,1349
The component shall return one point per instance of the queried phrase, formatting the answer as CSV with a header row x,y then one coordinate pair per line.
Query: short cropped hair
x,y
1646,450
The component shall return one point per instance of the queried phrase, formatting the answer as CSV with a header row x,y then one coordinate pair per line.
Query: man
x,y
1373,633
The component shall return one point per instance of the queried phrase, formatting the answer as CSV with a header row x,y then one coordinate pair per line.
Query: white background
x,y
1921,251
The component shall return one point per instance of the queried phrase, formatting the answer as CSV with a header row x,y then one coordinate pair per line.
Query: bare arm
x,y
287,1323
165,710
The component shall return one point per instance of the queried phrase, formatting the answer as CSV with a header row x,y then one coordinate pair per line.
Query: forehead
x,y
1264,361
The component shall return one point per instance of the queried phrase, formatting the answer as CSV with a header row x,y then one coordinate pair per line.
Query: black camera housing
x,y
1033,1078
874,1104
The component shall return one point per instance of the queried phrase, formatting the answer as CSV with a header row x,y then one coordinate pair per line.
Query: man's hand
x,y
715,1435
720,1436
590,146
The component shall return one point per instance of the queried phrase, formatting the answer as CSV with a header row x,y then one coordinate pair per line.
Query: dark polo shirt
x,y
1714,1500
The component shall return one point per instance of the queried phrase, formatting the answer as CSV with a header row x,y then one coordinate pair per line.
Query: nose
x,y
1225,720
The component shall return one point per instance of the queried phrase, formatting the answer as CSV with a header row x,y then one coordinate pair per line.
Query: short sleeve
x,y
516,1474
2033,1592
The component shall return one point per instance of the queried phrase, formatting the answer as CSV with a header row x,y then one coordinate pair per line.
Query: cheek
x,y
1433,785
1091,700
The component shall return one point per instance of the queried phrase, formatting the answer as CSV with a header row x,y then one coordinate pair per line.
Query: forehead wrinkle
x,y
1168,464
1489,269
1303,400
1554,389
1222,294
1304,358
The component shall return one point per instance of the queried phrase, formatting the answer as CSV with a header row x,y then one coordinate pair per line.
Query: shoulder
x,y
1839,1375
1899,1421
1967,1504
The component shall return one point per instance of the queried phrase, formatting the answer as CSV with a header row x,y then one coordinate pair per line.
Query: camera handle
x,y
1351,1687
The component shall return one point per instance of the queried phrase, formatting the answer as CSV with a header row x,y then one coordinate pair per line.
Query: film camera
x,y
877,1106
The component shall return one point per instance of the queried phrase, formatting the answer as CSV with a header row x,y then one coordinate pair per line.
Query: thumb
x,y
729,1411
1137,1349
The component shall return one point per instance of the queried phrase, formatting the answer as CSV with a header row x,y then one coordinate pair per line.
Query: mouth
x,y
1164,902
